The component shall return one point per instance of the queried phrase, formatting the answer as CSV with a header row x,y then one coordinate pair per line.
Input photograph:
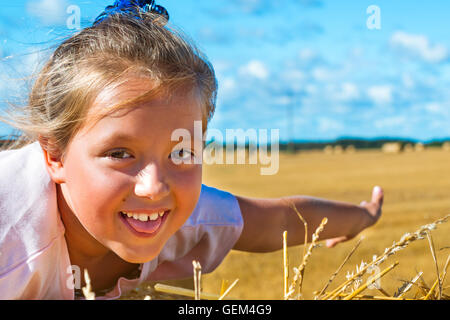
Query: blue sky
x,y
316,58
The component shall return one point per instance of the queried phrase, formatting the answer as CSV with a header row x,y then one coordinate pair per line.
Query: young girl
x,y
99,184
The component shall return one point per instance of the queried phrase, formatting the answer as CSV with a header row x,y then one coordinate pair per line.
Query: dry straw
x,y
397,246
407,286
159,287
196,293
286,265
424,292
339,292
339,269
87,290
433,253
299,272
197,278
369,282
223,295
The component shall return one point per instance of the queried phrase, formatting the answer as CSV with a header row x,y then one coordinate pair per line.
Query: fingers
x,y
333,242
377,195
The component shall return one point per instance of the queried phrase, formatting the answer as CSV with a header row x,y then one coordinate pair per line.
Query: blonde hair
x,y
100,57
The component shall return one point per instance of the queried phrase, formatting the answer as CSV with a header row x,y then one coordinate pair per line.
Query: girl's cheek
x,y
189,179
103,192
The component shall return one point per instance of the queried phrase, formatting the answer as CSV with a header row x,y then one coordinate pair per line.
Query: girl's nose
x,y
151,184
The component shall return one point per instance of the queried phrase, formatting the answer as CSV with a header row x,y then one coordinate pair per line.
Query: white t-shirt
x,y
34,261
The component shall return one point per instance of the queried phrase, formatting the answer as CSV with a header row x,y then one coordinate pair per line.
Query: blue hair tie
x,y
132,7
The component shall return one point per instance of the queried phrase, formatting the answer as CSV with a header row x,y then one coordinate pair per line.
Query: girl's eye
x,y
182,154
118,155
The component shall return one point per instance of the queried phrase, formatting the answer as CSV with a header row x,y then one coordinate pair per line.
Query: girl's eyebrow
x,y
118,137
123,137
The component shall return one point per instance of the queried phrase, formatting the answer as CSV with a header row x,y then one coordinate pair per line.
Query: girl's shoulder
x,y
215,207
29,220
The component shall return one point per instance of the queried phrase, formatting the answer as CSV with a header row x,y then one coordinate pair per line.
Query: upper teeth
x,y
144,216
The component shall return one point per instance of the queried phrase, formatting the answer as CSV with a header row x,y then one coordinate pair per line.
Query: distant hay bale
x,y
350,149
392,147
338,149
446,146
419,147
328,149
408,148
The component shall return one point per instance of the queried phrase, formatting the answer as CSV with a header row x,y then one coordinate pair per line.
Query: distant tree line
x,y
358,143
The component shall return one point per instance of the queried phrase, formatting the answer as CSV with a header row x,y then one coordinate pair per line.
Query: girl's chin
x,y
137,256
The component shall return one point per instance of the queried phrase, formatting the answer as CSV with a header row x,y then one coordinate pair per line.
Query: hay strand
x,y
197,278
370,281
228,289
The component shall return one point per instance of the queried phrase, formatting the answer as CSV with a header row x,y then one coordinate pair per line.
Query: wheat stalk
x,y
340,267
292,205
87,290
370,281
405,240
197,278
371,297
286,265
228,290
383,292
159,287
428,296
223,286
445,269
437,283
298,277
433,253
407,286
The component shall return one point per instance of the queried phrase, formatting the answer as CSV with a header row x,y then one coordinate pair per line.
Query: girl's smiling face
x,y
125,163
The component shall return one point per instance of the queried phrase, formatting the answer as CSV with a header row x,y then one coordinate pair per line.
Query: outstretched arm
x,y
265,220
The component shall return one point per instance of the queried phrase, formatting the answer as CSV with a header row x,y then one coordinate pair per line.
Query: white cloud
x,y
221,65
256,69
48,11
420,46
340,109
283,100
348,91
307,54
357,52
408,80
326,124
227,87
294,75
390,122
311,89
381,94
228,83
322,74
435,107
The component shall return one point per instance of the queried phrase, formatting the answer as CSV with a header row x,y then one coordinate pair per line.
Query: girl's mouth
x,y
144,229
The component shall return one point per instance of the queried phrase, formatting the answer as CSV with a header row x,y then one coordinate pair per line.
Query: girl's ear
x,y
53,161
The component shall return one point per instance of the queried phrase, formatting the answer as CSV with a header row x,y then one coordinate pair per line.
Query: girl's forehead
x,y
126,89
130,89
180,111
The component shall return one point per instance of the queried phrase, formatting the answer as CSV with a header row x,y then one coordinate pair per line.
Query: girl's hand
x,y
372,211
